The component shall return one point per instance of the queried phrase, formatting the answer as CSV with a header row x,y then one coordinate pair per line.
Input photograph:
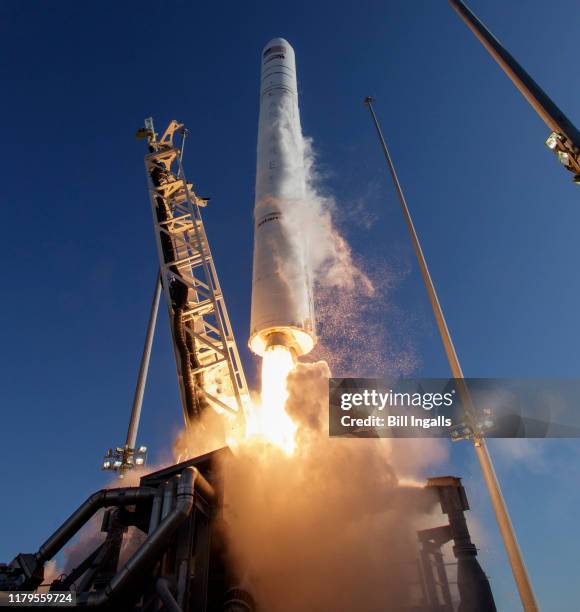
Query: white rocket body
x,y
282,303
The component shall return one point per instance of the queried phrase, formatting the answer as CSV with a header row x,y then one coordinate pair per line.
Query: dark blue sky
x,y
497,215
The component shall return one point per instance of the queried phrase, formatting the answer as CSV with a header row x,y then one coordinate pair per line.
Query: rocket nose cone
x,y
277,42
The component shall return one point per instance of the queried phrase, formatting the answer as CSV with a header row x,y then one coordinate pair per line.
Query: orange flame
x,y
268,421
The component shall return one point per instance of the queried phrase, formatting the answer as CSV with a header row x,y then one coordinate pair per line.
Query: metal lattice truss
x,y
209,368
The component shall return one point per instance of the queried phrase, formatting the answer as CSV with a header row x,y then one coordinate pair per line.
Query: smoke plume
x,y
351,303
316,240
329,527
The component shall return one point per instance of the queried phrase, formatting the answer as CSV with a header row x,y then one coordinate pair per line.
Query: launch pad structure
x,y
173,525
206,354
209,369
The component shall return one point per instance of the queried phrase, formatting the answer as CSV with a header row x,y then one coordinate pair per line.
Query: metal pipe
x,y
81,569
168,496
162,588
237,599
205,488
182,581
532,92
101,499
143,369
153,545
155,511
499,506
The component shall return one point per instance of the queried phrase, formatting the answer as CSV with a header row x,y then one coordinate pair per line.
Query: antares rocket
x,y
282,301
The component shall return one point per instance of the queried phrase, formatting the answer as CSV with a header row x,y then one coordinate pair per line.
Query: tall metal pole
x,y
565,138
143,369
499,506
539,100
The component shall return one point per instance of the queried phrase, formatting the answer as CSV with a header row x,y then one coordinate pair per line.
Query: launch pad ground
x,y
171,529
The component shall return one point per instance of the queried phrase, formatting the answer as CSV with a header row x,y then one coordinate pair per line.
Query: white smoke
x,y
350,303
309,223
51,573
329,527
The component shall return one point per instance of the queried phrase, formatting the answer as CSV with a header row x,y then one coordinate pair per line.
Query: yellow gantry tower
x,y
208,364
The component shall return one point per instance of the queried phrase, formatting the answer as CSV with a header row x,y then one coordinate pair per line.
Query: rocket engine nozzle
x,y
298,341
278,339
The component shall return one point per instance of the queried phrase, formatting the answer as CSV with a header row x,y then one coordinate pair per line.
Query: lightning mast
x,y
209,368
506,528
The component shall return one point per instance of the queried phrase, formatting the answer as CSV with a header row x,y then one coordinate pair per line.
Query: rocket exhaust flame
x,y
269,422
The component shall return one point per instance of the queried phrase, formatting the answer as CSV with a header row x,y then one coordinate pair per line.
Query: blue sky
x,y
497,215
